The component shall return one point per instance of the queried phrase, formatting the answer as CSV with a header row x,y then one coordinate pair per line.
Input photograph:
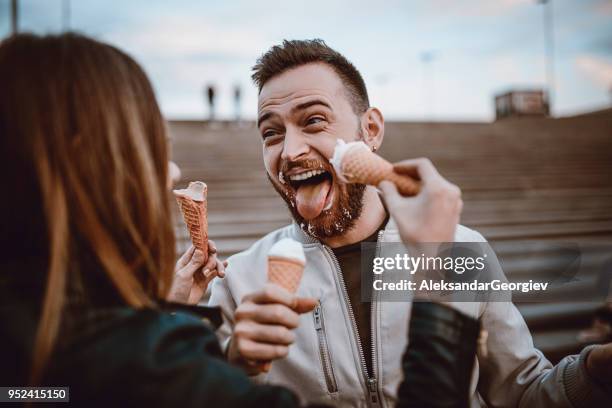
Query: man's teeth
x,y
306,175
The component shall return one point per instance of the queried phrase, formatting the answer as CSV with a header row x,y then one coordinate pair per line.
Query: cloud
x,y
476,8
597,69
484,46
186,36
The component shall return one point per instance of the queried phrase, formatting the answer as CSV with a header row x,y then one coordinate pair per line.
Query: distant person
x,y
237,102
87,250
210,97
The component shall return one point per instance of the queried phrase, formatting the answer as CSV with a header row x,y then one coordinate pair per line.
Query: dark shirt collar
x,y
357,245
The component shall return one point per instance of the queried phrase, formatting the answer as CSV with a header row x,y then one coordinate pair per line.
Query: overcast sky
x,y
477,47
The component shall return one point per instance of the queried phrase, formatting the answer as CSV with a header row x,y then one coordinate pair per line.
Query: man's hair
x,y
295,53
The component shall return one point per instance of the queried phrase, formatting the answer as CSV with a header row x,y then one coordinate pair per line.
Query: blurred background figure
x,y
210,98
237,102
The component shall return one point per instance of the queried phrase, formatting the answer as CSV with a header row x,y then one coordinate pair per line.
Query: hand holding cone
x,y
355,163
192,202
286,261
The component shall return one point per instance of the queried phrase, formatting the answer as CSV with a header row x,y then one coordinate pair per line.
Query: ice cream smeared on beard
x,y
319,204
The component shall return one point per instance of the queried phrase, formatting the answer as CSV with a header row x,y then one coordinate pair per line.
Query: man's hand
x,y
430,216
264,323
599,363
191,276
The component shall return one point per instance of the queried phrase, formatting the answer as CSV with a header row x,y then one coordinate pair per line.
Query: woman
x,y
87,248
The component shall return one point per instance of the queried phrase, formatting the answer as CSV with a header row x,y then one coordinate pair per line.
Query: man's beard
x,y
336,221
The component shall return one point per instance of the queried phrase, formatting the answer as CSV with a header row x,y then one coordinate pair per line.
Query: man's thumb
x,y
305,305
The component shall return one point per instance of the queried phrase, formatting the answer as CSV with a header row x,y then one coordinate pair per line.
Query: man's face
x,y
302,113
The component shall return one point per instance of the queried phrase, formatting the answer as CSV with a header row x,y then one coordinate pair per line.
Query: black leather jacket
x,y
438,361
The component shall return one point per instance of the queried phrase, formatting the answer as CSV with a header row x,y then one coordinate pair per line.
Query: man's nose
x,y
294,146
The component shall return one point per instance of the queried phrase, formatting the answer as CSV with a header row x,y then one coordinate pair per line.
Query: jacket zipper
x,y
371,381
373,323
328,369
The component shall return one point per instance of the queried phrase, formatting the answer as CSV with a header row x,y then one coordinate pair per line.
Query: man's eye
x,y
314,120
271,137
269,133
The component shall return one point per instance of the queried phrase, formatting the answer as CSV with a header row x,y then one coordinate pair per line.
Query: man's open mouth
x,y
314,192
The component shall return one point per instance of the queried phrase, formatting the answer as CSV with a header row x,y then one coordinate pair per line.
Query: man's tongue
x,y
310,199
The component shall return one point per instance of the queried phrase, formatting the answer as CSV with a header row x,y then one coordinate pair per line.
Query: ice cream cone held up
x,y
286,261
354,162
192,202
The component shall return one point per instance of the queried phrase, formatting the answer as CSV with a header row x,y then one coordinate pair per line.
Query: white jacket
x,y
325,364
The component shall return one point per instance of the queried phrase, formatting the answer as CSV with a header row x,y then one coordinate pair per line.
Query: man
x,y
347,352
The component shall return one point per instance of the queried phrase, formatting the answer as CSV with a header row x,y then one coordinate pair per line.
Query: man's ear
x,y
373,128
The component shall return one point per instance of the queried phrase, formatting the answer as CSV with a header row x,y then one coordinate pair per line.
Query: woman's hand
x,y
426,221
430,216
191,276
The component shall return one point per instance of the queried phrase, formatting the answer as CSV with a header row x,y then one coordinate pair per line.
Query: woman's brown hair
x,y
80,118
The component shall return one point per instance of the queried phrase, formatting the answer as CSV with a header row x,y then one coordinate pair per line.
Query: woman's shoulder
x,y
154,358
127,334
124,351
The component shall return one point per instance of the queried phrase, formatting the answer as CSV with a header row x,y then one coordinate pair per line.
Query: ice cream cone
x,y
286,261
285,272
356,163
192,202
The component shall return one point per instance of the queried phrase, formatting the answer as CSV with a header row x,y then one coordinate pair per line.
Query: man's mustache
x,y
305,164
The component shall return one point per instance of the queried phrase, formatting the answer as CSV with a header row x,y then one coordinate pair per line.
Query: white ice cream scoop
x,y
354,162
288,248
196,191
341,149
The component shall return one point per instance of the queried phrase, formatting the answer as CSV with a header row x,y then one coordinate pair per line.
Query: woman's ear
x,y
373,128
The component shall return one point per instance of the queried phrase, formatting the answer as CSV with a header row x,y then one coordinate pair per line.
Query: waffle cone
x,y
365,167
285,272
195,217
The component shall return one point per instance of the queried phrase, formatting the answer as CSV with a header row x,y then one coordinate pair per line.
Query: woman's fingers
x,y
212,247
214,267
221,269
184,259
194,264
211,262
407,168
391,196
421,169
